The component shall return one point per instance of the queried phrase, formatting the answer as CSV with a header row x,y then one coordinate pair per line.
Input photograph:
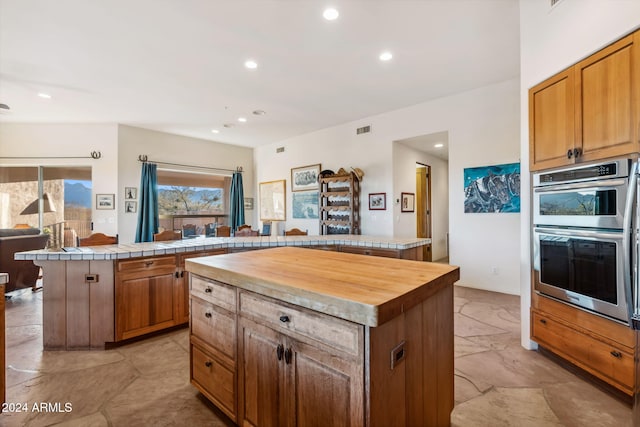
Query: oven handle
x,y
578,185
626,240
579,233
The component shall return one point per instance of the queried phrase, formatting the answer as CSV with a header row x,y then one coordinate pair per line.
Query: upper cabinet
x,y
589,111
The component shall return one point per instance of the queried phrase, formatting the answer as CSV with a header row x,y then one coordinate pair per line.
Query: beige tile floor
x,y
498,383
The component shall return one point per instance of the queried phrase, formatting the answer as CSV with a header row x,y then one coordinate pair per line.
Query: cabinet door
x,y
551,122
143,305
262,373
606,85
327,387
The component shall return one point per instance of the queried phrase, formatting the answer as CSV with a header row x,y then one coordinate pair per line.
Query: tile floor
x,y
498,383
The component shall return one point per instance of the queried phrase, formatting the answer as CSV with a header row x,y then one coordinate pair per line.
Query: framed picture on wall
x,y
377,201
407,202
305,178
130,207
272,201
130,193
105,201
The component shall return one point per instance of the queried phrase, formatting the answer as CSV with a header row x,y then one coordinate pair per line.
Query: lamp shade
x,y
32,208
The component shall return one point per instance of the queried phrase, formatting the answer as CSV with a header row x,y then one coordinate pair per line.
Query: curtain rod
x,y
144,159
94,155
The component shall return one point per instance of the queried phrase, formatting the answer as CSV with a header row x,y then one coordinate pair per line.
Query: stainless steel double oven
x,y
582,251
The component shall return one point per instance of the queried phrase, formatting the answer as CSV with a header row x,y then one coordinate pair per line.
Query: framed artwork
x,y
305,205
377,201
492,189
130,207
305,178
105,201
272,201
130,193
407,202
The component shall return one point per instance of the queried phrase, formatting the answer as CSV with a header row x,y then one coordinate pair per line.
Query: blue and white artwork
x,y
492,189
305,204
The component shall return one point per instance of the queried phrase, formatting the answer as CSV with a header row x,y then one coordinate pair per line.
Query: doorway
x,y
423,206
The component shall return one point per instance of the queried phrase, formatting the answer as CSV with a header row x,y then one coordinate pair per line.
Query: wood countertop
x,y
359,288
134,250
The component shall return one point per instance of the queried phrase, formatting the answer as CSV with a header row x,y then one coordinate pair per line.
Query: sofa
x,y
22,274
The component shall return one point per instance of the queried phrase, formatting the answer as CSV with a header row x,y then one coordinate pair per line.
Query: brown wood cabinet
x,y
589,111
144,296
602,347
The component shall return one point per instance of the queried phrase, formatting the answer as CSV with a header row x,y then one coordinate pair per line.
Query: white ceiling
x,y
177,65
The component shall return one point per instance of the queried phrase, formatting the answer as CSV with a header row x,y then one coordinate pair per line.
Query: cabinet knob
x,y
285,319
543,321
148,263
577,152
208,363
616,354
208,290
280,351
177,275
569,154
207,315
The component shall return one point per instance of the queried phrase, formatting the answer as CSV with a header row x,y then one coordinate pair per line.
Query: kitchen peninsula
x,y
290,336
96,295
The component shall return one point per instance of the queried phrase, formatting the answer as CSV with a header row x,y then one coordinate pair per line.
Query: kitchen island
x,y
96,295
291,336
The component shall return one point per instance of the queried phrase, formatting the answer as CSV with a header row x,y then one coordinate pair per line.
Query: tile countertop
x,y
4,278
133,250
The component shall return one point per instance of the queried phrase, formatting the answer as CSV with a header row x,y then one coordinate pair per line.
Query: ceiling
x,y
177,66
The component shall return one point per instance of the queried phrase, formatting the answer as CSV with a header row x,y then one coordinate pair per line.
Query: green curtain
x,y
148,219
236,199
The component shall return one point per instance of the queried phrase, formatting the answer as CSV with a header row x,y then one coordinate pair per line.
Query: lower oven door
x,y
582,267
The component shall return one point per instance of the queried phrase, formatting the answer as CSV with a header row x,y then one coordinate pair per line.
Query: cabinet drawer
x,y
610,363
145,264
214,379
328,330
389,253
214,292
215,326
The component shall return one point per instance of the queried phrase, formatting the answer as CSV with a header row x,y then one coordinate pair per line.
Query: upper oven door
x,y
594,204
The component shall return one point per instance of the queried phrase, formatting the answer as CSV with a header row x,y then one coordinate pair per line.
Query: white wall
x,y
404,171
550,41
164,147
60,140
483,128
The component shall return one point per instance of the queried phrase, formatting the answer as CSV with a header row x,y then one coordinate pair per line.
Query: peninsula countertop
x,y
134,250
365,290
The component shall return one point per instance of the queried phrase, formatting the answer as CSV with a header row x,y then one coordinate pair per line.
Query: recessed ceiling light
x,y
259,112
330,14
44,95
385,56
215,131
251,64
439,145
242,119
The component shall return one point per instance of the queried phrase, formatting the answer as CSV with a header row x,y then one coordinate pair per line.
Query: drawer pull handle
x,y
177,275
543,321
284,319
207,315
208,363
617,354
287,356
148,263
208,290
280,351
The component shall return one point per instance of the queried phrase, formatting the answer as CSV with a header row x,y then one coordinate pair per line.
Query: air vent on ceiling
x,y
280,150
363,129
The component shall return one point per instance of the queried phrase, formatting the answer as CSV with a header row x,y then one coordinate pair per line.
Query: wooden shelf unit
x,y
340,204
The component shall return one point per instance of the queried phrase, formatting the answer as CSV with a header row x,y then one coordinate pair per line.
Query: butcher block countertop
x,y
362,289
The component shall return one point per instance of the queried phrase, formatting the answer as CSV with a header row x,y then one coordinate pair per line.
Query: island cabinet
x,y
293,337
144,296
590,111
